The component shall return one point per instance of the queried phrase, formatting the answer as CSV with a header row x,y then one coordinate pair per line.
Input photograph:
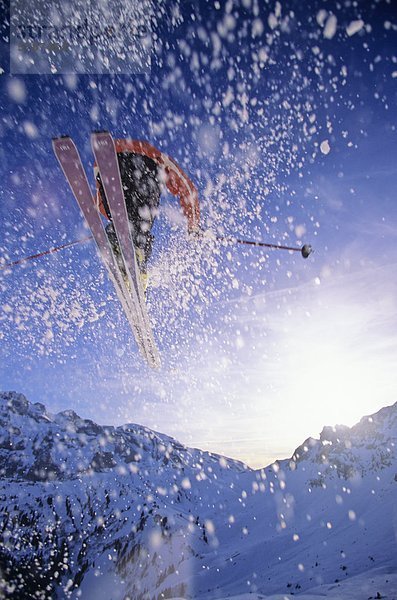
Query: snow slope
x,y
91,511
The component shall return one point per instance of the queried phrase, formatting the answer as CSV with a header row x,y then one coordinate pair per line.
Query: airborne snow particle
x,y
186,485
208,138
330,27
325,147
31,130
155,540
94,113
321,16
70,81
17,90
257,27
272,21
239,340
354,27
228,97
300,230
209,526
223,462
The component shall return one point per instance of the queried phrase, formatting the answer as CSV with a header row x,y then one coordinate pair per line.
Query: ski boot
x,y
143,250
112,237
140,253
141,260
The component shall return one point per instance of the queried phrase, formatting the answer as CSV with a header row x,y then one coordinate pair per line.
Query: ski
x,y
106,159
72,167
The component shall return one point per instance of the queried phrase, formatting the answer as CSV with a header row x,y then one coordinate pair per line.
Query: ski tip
x,y
60,137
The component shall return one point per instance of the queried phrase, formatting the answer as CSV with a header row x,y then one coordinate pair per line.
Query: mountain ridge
x,y
123,512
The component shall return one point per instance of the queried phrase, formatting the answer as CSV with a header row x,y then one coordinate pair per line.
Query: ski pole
x,y
305,250
50,251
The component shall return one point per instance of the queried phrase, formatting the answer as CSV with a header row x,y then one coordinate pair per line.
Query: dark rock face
x,y
16,402
102,461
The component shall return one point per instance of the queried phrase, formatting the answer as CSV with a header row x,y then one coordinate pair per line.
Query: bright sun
x,y
332,384
335,373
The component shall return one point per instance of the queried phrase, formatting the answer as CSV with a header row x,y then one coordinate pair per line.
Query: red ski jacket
x,y
177,182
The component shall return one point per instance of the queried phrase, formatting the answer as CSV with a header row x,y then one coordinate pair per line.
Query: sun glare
x,y
333,385
335,375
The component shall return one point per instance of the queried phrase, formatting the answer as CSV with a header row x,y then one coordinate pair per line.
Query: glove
x,y
196,233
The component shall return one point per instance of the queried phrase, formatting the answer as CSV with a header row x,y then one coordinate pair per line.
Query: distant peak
x,y
18,403
334,434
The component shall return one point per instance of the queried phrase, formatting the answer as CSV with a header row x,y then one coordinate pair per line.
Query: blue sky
x,y
285,120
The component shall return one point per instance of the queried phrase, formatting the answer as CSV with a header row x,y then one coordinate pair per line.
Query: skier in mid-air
x,y
144,171
134,174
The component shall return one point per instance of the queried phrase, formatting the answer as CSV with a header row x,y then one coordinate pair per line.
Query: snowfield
x,y
90,511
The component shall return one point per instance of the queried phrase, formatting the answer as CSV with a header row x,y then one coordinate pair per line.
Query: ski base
x,y
131,296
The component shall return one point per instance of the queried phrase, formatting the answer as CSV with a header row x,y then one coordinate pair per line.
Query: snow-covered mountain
x,y
102,512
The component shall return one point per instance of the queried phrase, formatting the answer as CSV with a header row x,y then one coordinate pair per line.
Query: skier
x,y
144,170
